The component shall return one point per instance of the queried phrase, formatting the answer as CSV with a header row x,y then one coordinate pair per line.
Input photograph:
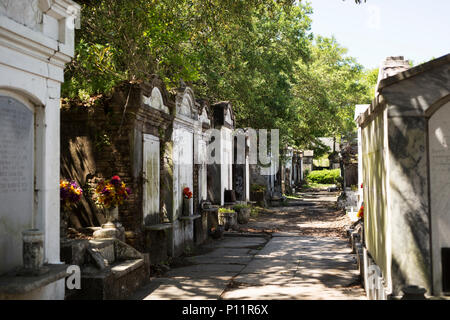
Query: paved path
x,y
209,274
286,265
299,267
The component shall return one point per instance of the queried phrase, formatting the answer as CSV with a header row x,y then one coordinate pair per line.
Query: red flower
x,y
187,193
115,180
361,212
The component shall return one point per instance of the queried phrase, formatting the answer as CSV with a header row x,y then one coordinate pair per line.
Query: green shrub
x,y
226,210
324,176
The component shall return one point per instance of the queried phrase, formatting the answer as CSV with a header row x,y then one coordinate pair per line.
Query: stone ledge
x,y
12,284
123,268
194,217
159,227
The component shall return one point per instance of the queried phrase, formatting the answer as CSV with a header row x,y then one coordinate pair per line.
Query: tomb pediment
x,y
204,117
223,114
185,103
156,101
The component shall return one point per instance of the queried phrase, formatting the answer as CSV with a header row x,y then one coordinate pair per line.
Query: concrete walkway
x,y
285,265
300,268
208,275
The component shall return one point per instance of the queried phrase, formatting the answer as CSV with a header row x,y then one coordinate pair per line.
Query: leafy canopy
x,y
259,54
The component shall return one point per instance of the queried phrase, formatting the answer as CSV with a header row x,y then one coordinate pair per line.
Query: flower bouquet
x,y
70,194
187,196
360,213
111,194
187,193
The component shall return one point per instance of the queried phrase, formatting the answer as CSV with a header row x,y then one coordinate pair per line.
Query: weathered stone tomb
x,y
36,41
406,178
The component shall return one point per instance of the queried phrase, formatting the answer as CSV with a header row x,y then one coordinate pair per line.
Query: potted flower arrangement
x,y
70,194
110,194
227,218
187,196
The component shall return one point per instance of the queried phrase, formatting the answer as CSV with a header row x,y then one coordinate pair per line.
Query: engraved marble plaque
x,y
16,177
439,135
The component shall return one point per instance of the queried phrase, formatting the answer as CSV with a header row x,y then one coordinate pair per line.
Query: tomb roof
x,y
414,71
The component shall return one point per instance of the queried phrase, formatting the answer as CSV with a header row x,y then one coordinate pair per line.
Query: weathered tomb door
x,y
439,149
151,179
16,178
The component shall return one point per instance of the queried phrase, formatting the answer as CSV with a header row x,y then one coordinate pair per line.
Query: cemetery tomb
x,y
241,179
130,147
220,173
405,165
31,77
182,234
201,140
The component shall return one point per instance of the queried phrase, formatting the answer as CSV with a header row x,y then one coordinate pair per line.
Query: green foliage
x,y
258,54
226,210
371,78
327,88
324,176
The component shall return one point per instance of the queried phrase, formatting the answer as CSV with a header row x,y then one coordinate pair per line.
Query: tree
x,y
243,51
259,54
132,39
328,87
